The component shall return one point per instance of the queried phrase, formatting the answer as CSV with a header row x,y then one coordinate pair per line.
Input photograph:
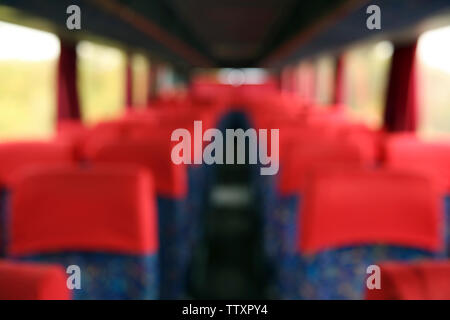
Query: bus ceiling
x,y
236,33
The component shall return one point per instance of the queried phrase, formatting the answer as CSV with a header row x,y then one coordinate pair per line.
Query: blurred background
x,y
29,59
313,70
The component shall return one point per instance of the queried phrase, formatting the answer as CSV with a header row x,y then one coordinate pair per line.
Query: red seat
x,y
415,281
146,125
154,154
300,158
102,220
356,206
24,281
73,132
366,139
107,208
17,156
408,152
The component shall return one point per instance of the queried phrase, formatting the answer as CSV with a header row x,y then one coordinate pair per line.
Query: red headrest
x,y
21,281
70,128
302,158
366,139
411,153
155,154
427,280
18,156
155,126
73,132
115,130
100,209
344,207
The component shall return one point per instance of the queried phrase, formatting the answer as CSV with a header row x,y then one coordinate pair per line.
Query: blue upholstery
x,y
196,201
175,246
332,274
4,214
281,235
341,273
273,215
447,223
108,276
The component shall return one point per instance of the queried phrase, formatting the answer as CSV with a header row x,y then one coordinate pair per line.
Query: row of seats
x,y
390,193
110,200
24,281
76,201
425,280
414,281
348,197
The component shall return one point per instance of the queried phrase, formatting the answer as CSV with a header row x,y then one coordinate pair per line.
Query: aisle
x,y
229,265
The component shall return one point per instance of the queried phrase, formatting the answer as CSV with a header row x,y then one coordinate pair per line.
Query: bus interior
x,y
214,150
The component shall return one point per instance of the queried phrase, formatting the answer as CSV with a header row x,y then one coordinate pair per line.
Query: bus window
x,y
366,75
102,76
140,68
325,70
433,58
28,62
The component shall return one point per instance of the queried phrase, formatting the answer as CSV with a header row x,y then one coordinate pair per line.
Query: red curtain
x,y
339,81
401,101
153,78
67,93
129,83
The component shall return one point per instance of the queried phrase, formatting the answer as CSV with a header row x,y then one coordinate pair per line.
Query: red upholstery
x,y
105,208
419,281
18,156
22,281
154,154
357,206
367,140
303,157
73,132
147,125
69,128
407,151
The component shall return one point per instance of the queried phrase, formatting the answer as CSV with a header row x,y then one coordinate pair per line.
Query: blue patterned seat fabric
x,y
447,223
281,235
196,200
4,205
108,276
340,274
332,274
175,246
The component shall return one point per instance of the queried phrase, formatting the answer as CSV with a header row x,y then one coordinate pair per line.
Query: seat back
x,y
174,220
427,280
408,152
18,157
354,218
154,153
304,157
101,219
281,228
23,281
